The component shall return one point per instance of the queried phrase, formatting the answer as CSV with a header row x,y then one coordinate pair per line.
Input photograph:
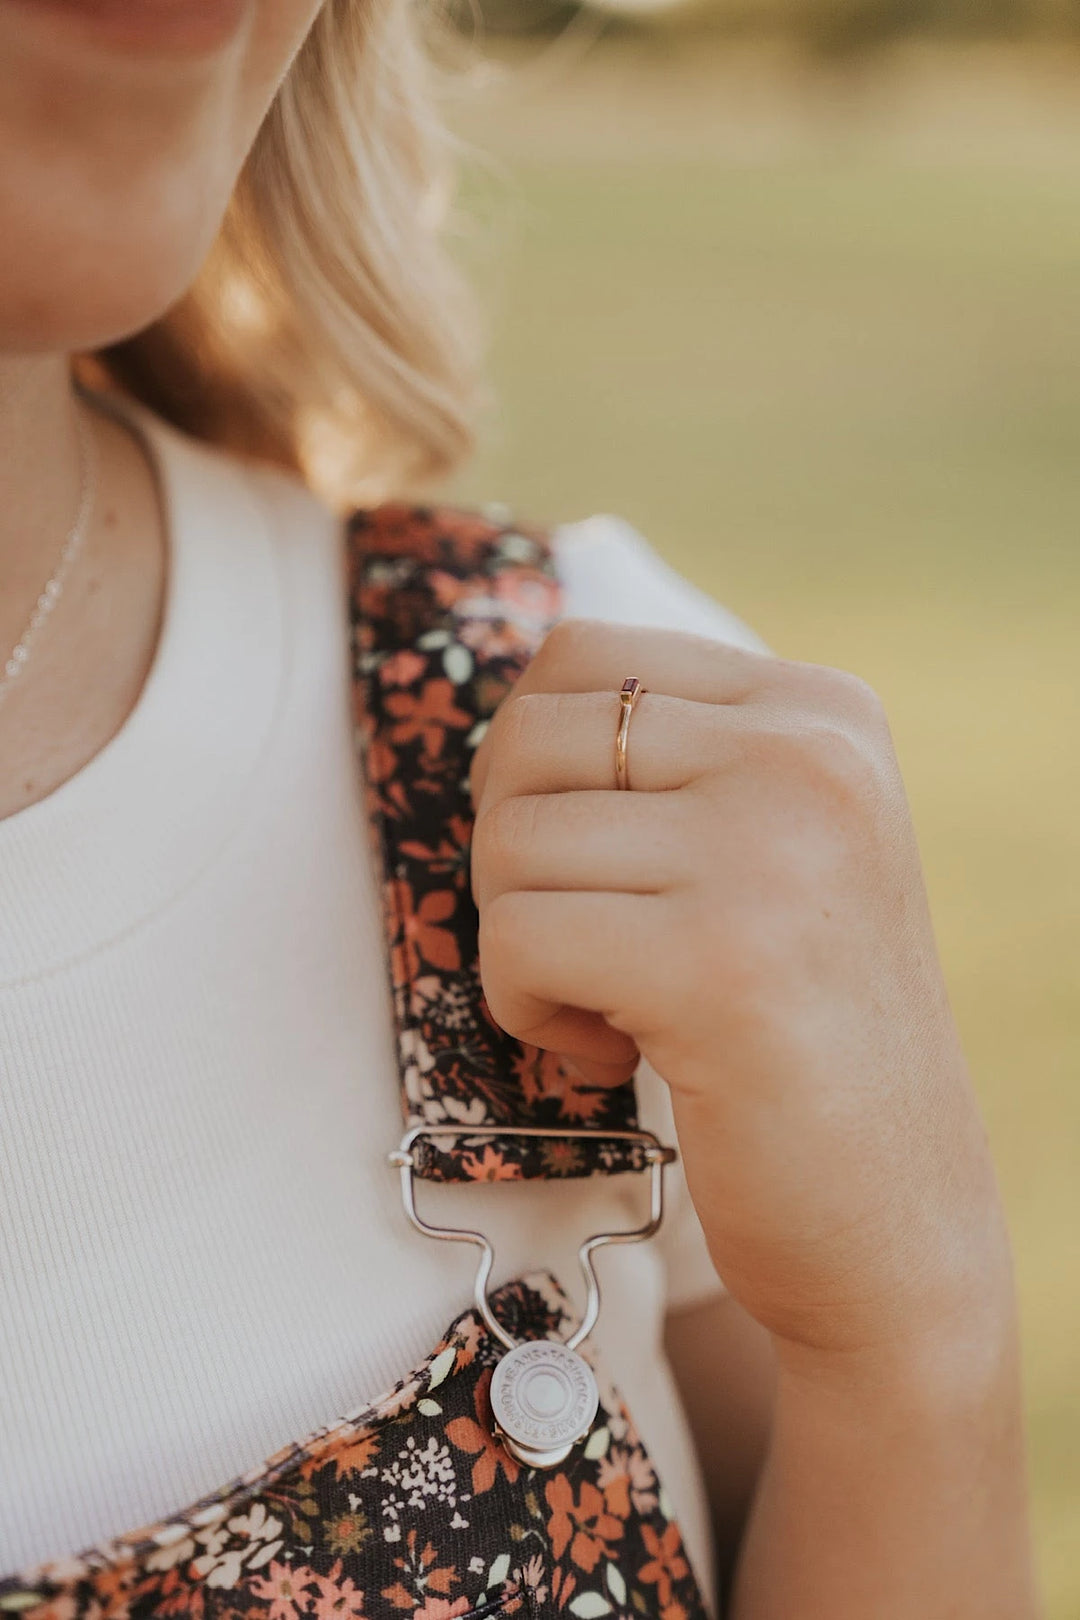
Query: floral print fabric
x,y
447,607
409,1510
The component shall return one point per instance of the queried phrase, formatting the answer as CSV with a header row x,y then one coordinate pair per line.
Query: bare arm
x,y
724,1367
752,919
839,1491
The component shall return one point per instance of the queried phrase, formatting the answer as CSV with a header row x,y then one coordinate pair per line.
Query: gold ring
x,y
629,694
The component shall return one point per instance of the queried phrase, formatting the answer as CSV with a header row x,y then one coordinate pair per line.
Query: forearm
x,y
893,1491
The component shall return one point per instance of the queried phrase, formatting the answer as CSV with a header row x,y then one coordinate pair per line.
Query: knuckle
x,y
839,692
844,765
821,756
526,723
572,638
832,731
824,687
502,831
788,677
481,761
565,638
584,649
521,718
856,697
563,648
502,930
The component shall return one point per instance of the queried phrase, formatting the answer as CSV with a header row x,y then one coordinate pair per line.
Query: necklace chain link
x,y
53,588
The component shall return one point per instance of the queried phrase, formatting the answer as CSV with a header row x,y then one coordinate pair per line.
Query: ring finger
x,y
555,742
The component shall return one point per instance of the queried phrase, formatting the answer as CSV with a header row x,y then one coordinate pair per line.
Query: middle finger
x,y
633,843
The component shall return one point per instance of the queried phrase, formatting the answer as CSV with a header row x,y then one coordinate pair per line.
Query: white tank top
x,y
202,1252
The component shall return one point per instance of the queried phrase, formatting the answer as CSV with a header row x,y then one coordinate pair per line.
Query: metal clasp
x,y
656,1155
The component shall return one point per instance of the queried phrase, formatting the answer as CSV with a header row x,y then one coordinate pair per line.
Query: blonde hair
x,y
328,330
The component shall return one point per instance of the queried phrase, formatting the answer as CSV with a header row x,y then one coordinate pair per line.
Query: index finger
x,y
590,655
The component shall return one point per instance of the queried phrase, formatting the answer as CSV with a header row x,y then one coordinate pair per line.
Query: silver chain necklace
x,y
53,588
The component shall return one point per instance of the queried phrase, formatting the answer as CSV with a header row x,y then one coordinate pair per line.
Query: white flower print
x,y
257,1524
221,1565
474,1112
423,1473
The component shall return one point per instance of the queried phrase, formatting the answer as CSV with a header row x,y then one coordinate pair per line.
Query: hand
x,y
751,918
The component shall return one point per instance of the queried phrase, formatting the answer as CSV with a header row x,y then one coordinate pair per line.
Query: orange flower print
x,y
350,1456
418,1566
449,590
667,1563
402,668
537,1071
478,1439
446,856
428,716
422,938
114,1593
587,1526
437,1608
354,1457
380,765
335,1598
171,1594
626,1477
541,1074
400,1596
491,1167
438,1579
283,1585
562,1586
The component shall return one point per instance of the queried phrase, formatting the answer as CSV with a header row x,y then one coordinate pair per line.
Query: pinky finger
x,y
546,951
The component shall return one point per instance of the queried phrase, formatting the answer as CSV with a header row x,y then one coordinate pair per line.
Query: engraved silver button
x,y
544,1399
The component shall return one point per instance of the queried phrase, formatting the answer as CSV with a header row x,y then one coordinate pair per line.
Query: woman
x,y
218,215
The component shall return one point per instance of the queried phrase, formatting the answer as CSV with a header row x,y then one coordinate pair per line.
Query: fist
x,y
751,919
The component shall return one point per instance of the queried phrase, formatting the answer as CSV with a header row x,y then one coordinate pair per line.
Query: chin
x,y
65,319
66,312
63,313
85,268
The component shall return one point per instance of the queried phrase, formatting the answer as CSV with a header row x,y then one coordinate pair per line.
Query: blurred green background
x,y
811,320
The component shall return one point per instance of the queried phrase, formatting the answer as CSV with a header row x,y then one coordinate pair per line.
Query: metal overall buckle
x,y
543,1394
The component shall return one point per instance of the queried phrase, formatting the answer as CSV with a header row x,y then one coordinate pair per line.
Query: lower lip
x,y
150,25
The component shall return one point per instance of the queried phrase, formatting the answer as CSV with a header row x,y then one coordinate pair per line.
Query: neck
x,y
39,479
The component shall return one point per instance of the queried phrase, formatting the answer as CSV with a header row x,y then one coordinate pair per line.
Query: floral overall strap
x,y
447,609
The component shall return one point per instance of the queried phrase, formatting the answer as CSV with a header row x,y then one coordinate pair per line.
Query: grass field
x,y
818,335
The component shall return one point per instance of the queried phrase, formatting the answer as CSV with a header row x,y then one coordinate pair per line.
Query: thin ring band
x,y
629,694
